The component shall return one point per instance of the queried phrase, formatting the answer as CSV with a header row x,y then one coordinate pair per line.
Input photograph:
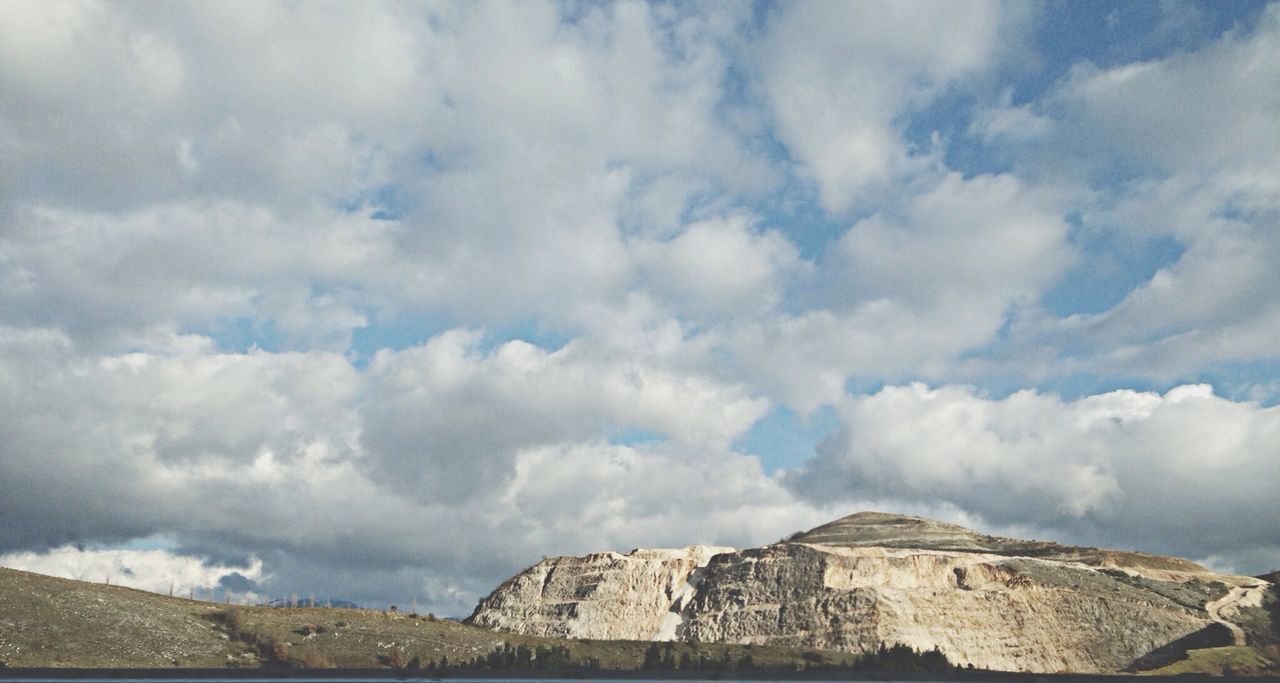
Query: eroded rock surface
x,y
876,578
637,596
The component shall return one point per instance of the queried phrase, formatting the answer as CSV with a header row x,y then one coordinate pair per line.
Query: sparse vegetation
x,y
69,623
57,622
792,536
397,659
1219,661
314,660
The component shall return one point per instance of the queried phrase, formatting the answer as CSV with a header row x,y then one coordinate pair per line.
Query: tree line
x,y
662,658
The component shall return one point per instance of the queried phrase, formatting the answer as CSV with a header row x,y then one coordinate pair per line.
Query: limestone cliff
x,y
869,578
637,596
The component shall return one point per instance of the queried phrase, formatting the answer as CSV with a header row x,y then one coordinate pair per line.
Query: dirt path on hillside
x,y
1215,608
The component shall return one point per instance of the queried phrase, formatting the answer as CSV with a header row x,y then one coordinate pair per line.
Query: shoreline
x,y
108,674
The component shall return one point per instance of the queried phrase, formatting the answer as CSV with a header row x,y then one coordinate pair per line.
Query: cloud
x,y
430,464
447,418
1175,148
721,267
1186,472
231,176
838,77
1214,302
109,447
122,280
1200,109
592,495
909,289
97,89
158,571
398,298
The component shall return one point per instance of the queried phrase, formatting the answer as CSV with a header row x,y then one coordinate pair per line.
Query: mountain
x,y
874,578
318,602
53,622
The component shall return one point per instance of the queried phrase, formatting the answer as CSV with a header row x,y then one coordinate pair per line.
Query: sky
x,y
385,302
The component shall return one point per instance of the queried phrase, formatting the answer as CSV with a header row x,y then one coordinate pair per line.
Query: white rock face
x,y
637,596
856,583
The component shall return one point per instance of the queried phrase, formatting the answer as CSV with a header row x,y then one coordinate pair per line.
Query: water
x,y
394,675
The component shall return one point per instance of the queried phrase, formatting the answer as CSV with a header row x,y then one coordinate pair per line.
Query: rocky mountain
x,y
872,578
59,623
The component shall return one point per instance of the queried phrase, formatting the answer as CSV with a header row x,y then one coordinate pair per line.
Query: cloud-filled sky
x,y
387,301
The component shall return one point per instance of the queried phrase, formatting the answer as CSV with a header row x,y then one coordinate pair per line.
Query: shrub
x,y
397,659
314,660
1271,652
233,620
279,652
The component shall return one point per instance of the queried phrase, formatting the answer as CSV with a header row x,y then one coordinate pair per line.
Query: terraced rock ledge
x,y
871,578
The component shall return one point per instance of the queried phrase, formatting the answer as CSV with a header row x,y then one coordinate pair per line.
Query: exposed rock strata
x,y
637,596
870,578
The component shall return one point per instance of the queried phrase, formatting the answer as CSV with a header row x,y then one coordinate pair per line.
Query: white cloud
x,y
1186,472
448,417
721,267
910,288
304,461
175,177
510,140
1206,109
274,104
838,75
590,496
1216,301
107,447
115,280
158,571
964,240
1004,122
1196,128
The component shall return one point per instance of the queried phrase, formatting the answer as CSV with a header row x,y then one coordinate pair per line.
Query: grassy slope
x,y
46,621
1219,661
1262,626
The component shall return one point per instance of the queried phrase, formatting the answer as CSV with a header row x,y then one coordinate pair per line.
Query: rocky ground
x,y
57,622
872,578
51,622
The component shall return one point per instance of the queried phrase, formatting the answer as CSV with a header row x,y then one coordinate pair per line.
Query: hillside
x,y
822,599
872,578
52,622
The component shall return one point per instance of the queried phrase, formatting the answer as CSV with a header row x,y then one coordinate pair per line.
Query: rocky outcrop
x,y
875,578
637,596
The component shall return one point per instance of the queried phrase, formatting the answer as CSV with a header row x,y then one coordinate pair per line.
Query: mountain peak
x,y
885,529
889,530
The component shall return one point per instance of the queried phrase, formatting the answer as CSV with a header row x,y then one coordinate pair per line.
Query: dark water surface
x,y
365,676
97,677
91,678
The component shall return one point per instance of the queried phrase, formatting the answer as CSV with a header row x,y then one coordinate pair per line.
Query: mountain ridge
x,y
876,529
872,578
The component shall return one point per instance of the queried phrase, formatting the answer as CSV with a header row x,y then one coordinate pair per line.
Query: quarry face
x,y
872,578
